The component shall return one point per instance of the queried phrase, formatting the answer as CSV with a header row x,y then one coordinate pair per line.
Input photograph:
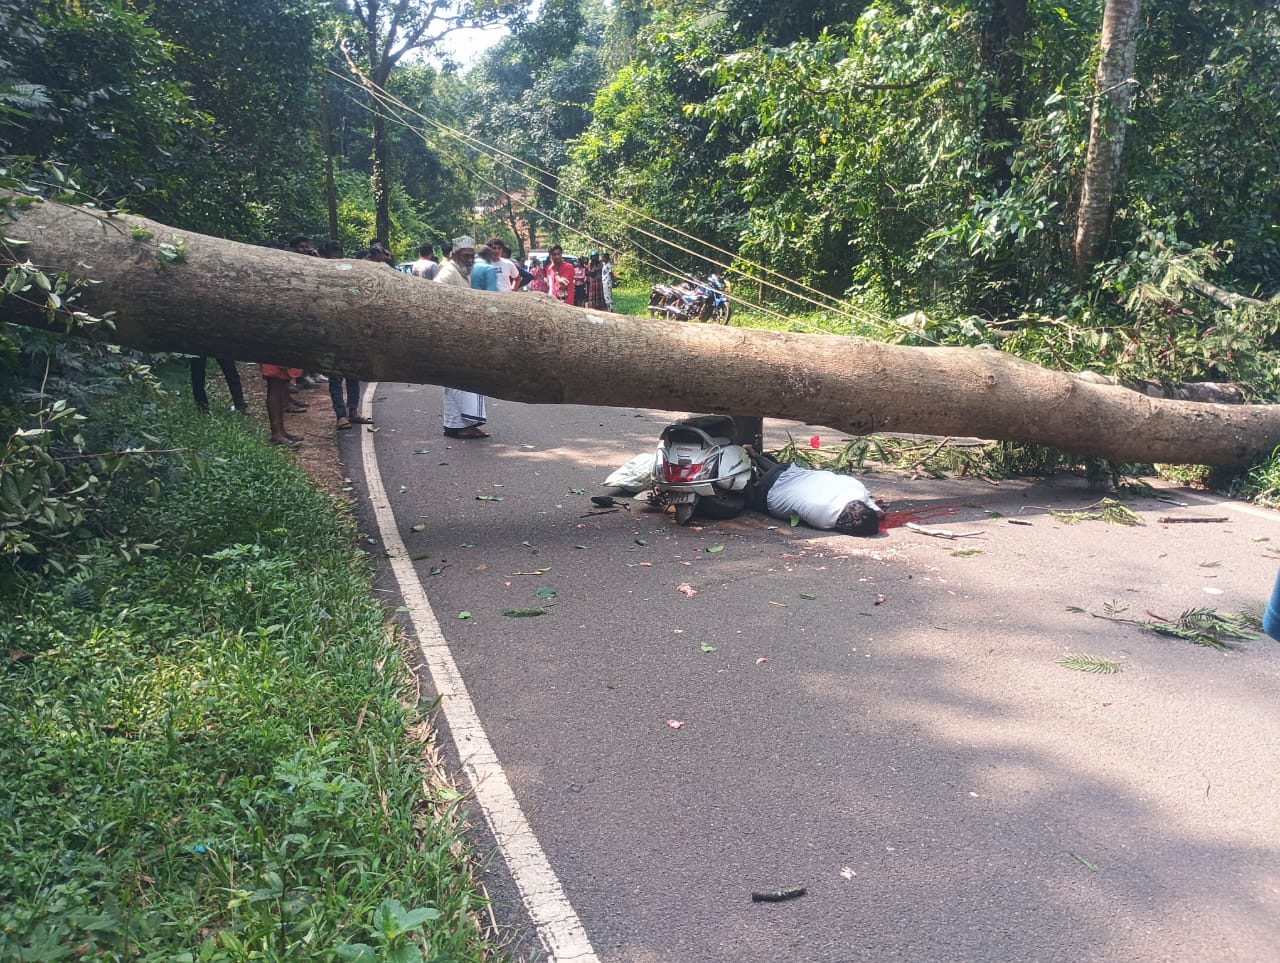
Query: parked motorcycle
x,y
695,300
700,466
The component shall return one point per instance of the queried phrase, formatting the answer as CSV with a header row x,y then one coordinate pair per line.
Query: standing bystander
x,y
560,276
595,283
464,411
606,279
426,267
198,368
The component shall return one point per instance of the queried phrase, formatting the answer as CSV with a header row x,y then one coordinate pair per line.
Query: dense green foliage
x,y
205,753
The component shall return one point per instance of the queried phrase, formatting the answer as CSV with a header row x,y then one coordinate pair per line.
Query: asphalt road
x,y
882,721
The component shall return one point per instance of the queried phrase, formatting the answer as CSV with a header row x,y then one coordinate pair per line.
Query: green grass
x,y
631,298
208,752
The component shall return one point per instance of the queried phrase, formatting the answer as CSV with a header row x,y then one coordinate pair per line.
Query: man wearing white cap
x,y
464,411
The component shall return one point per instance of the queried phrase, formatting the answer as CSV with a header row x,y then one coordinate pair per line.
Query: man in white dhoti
x,y
464,411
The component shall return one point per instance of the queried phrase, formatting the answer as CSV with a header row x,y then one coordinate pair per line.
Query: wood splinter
x,y
777,895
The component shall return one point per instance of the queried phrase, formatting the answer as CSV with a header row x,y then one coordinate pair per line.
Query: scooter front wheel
x,y
684,512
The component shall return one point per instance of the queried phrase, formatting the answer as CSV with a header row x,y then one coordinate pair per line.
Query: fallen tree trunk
x,y
204,295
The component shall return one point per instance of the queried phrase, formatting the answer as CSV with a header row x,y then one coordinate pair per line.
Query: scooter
x,y
699,466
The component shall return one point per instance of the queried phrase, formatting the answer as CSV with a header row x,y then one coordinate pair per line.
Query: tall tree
x,y
1113,93
252,68
389,31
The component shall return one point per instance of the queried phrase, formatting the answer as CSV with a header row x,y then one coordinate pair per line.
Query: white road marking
x,y
561,932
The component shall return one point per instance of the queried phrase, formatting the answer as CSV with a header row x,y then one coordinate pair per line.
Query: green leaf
x,y
706,648
1084,862
795,519
523,613
806,595
405,953
464,614
715,549
641,541
414,919
1089,663
546,593
418,528
418,558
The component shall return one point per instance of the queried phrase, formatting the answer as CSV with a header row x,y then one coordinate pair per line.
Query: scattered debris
x,y
675,724
777,895
687,589
1207,627
608,501
939,532
1079,662
1108,510
1084,862
1172,520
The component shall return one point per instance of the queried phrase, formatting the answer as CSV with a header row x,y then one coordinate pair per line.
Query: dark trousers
x,y
767,471
352,405
199,366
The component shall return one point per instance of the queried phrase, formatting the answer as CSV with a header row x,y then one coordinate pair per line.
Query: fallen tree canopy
x,y
178,291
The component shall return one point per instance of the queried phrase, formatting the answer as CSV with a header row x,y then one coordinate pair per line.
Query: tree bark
x,y
330,187
231,300
1113,93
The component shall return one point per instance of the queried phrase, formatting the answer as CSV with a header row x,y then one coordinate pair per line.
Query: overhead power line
x,y
392,109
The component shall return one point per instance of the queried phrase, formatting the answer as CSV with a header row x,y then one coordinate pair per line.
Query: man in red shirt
x,y
560,275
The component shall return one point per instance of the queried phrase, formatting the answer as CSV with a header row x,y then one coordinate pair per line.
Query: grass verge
x,y
209,751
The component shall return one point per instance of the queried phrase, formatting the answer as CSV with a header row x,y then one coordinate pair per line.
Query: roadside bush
x,y
207,753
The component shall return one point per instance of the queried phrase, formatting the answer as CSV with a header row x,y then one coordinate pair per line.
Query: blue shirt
x,y
484,276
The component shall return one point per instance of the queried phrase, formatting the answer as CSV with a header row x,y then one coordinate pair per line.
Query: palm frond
x,y
1108,510
1208,627
1078,662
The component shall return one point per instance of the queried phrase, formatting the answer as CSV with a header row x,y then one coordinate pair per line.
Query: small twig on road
x,y
939,532
1169,520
